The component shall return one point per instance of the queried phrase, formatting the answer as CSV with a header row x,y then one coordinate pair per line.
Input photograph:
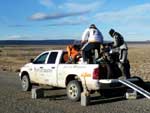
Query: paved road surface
x,y
13,100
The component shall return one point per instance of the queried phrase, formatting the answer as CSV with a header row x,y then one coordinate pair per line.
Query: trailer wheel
x,y
74,90
25,83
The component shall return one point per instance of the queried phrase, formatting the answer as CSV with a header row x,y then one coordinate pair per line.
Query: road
x,y
13,100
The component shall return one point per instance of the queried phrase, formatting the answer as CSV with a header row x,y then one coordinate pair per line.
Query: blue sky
x,y
67,19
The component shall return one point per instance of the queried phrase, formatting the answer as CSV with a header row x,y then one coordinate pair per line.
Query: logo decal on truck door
x,y
85,75
43,70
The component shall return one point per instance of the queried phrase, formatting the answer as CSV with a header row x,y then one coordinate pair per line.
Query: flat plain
x,y
14,57
13,100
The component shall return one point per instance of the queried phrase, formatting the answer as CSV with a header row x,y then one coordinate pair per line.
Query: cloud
x,y
136,13
133,21
14,37
44,16
64,22
70,22
68,9
18,26
47,3
80,7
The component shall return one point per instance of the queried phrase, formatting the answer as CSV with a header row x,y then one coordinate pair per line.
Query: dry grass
x,y
139,56
13,57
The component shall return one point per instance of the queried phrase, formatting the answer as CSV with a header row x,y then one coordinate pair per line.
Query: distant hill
x,y
36,42
53,42
138,42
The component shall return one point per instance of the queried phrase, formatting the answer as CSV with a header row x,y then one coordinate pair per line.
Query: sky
x,y
67,19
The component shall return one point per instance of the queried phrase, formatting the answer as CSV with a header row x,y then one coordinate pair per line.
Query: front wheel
x,y
74,90
25,82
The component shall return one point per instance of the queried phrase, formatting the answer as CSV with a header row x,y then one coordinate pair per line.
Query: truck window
x,y
52,58
41,59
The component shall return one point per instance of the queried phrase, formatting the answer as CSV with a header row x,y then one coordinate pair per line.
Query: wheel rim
x,y
24,83
73,91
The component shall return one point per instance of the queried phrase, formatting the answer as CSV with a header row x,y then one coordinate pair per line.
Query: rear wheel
x,y
25,82
74,90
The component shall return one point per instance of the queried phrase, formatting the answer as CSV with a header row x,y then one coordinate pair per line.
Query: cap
x,y
92,26
111,32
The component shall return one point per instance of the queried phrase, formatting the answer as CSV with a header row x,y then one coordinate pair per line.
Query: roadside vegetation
x,y
13,57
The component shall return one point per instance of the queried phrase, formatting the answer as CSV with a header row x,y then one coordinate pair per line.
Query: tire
x,y
25,83
109,71
74,90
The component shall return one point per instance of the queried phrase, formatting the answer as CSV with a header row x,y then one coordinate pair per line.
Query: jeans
x,y
124,68
86,49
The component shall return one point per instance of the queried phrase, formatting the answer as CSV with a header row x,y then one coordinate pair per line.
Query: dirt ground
x,y
139,57
13,100
13,57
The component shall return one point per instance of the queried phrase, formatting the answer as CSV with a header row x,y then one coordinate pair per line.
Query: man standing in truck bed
x,y
120,46
91,39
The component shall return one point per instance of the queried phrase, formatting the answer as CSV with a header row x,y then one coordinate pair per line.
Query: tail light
x,y
96,73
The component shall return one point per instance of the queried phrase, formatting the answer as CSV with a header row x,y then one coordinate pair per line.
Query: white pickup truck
x,y
49,68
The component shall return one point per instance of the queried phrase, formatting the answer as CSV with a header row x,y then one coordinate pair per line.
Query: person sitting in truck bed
x,y
92,38
64,58
73,52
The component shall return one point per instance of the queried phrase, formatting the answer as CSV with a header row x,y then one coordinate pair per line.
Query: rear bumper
x,y
114,83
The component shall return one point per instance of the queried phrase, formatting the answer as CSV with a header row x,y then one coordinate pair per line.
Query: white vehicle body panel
x,y
80,70
56,74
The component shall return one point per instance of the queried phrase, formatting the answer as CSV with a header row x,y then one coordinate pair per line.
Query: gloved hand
x,y
110,51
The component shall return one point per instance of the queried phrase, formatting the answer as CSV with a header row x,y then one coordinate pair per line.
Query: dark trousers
x,y
125,69
123,53
87,47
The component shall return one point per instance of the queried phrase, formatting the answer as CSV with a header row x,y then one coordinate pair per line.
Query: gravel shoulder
x,y
13,100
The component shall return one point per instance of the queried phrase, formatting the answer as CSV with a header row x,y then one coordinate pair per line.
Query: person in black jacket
x,y
119,46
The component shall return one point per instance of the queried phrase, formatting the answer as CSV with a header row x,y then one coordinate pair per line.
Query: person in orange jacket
x,y
72,52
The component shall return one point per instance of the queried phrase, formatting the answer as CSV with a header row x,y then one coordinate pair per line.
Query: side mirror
x,y
31,60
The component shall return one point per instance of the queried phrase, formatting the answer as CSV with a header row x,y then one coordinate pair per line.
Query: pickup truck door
x,y
39,72
50,68
45,67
